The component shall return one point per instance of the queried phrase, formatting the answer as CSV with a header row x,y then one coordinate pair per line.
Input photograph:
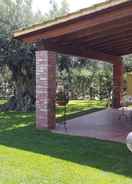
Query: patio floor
x,y
104,125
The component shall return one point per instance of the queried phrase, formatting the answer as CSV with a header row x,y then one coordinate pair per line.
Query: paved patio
x,y
104,125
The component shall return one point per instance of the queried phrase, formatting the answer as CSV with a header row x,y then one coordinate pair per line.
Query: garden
x,y
31,156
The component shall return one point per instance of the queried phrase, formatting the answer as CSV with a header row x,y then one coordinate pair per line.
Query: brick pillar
x,y
117,84
45,89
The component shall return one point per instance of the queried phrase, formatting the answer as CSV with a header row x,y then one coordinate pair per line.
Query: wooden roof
x,y
103,31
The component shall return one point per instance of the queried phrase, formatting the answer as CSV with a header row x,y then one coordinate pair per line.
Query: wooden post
x,y
117,84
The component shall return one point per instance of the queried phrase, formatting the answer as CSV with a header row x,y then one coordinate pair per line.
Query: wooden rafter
x,y
81,51
108,29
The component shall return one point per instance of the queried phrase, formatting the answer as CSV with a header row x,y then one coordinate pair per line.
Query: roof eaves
x,y
93,9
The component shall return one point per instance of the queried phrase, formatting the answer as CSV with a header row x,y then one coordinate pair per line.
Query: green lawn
x,y
79,107
29,156
76,108
3,101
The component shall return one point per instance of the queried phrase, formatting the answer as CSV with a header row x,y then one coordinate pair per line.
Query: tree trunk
x,y
24,95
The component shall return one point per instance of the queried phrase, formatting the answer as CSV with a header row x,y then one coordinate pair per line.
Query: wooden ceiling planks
x,y
101,31
80,50
111,38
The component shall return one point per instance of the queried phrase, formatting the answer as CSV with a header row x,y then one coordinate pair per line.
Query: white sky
x,y
74,5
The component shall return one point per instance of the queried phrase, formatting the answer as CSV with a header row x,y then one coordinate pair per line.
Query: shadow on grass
x,y
107,156
13,120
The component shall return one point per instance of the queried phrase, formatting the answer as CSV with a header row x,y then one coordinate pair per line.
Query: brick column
x,y
45,89
117,84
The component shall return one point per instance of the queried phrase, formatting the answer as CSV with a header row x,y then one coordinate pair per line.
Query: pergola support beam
x,y
45,89
117,84
80,51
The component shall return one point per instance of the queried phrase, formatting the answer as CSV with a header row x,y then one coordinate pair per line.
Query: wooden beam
x,y
81,51
118,13
117,84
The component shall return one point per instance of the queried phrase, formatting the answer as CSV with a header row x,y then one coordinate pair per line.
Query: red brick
x,y
45,89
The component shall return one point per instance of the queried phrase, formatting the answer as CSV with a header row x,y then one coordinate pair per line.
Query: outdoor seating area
x,y
100,31
103,125
66,93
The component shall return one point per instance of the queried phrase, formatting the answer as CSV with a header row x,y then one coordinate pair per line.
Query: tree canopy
x,y
83,77
17,56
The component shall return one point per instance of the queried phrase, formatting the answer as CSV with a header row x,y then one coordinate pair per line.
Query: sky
x,y
74,5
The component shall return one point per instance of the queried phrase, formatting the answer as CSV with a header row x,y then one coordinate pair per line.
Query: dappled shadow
x,y
12,120
108,156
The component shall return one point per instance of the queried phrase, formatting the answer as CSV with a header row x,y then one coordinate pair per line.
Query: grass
x,y
29,156
77,108
3,101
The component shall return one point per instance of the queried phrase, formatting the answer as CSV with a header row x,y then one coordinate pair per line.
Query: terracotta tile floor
x,y
104,125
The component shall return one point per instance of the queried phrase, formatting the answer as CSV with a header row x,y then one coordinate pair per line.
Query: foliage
x,y
85,78
17,56
31,156
20,59
61,95
15,14
128,63
77,108
57,10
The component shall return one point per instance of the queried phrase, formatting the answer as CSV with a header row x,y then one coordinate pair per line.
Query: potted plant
x,y
61,97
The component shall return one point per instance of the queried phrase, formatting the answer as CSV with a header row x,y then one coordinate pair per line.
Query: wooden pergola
x,y
102,32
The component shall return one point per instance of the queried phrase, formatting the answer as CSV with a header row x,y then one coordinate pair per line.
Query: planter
x,y
61,102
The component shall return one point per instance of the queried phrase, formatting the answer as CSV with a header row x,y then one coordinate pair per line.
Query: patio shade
x,y
102,32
